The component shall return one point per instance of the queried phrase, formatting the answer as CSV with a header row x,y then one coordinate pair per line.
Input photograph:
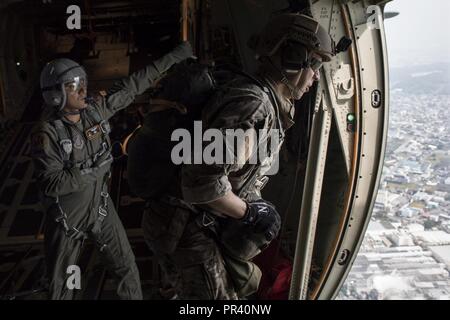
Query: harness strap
x,y
70,232
103,124
64,141
66,145
253,178
208,220
103,207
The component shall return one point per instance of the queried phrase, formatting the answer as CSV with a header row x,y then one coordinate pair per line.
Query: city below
x,y
406,250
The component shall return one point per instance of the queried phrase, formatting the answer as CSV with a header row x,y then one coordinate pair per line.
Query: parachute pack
x,y
177,103
180,100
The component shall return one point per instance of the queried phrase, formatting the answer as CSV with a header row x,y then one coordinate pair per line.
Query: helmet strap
x,y
69,113
64,97
284,79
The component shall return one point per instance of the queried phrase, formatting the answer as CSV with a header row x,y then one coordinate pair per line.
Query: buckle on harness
x,y
207,220
102,211
60,218
72,232
105,127
261,182
101,152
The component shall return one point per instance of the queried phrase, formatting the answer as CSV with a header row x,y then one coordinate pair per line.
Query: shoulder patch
x,y
39,143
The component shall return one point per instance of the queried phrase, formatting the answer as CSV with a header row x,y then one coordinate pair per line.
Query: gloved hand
x,y
180,53
262,216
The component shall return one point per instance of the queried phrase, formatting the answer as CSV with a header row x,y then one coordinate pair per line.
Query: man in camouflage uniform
x,y
221,222
72,156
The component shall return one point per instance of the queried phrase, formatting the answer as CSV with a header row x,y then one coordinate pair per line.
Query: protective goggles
x,y
76,85
315,64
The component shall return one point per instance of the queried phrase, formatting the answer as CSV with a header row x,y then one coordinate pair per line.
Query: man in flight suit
x,y
226,222
72,157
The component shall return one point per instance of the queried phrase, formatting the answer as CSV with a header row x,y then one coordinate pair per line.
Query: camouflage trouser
x,y
190,260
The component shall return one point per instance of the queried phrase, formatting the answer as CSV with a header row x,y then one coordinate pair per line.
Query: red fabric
x,y
276,273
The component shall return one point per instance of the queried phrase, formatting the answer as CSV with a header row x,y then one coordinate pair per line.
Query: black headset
x,y
294,56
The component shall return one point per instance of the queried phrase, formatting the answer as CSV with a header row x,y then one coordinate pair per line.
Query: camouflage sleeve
x,y
203,183
52,178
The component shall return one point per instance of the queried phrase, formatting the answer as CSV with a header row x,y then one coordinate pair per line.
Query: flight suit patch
x,y
39,143
93,132
66,145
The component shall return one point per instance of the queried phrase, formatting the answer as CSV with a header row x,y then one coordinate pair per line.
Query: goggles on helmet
x,y
76,85
315,64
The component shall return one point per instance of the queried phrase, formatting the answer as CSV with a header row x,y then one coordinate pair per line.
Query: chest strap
x,y
66,144
75,233
64,141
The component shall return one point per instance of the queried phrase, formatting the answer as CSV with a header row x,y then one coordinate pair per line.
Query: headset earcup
x,y
294,57
52,98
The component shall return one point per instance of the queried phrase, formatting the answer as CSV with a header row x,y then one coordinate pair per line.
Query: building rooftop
x,y
441,253
435,237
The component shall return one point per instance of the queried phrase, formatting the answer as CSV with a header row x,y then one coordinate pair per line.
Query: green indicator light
x,y
351,117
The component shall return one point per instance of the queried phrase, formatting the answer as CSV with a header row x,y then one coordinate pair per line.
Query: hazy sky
x,y
420,34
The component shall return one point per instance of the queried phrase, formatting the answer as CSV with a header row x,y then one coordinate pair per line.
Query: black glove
x,y
180,53
262,216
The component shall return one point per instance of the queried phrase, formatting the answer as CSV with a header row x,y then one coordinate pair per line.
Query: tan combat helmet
x,y
295,29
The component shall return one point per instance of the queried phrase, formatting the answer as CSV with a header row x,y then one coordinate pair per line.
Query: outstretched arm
x,y
124,91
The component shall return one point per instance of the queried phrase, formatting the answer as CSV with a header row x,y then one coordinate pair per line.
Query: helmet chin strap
x,y
69,113
74,112
293,90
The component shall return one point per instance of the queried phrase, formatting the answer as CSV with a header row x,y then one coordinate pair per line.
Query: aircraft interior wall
x,y
19,64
